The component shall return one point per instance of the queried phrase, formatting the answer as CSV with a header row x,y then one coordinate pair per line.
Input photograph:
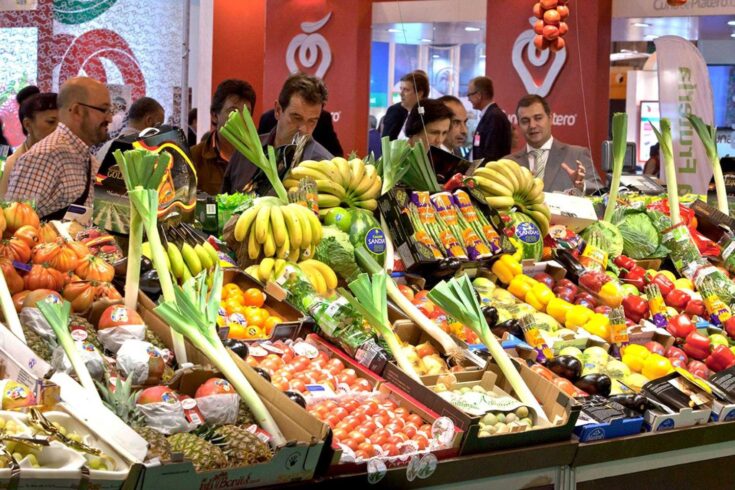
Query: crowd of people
x,y
68,136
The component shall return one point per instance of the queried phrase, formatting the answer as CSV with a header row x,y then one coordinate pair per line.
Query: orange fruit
x,y
254,297
230,288
237,332
255,316
253,332
235,307
271,323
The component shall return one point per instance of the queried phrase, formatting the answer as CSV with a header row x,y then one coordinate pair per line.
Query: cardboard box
x,y
297,461
647,332
610,430
393,393
657,420
555,403
576,213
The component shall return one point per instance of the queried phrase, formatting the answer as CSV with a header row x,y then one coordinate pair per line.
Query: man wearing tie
x,y
562,167
492,138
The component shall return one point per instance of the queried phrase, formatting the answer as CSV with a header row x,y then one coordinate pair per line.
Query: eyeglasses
x,y
470,94
106,111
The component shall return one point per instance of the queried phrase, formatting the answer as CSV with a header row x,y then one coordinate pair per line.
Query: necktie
x,y
539,162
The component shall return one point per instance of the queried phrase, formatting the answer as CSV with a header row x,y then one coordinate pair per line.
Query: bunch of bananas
x,y
505,184
320,275
273,229
339,182
184,260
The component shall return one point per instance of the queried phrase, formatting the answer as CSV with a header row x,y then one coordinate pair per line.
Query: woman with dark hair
x,y
428,122
38,116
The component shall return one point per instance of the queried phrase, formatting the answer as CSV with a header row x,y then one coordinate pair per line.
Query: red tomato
x,y
416,420
409,430
359,454
367,447
358,436
280,382
397,438
297,385
330,404
394,428
364,430
323,355
351,443
350,404
332,421
379,438
421,296
350,422
388,405
401,412
421,441
336,363
381,419
317,363
426,429
391,449
339,434
371,407
340,412
346,378
362,384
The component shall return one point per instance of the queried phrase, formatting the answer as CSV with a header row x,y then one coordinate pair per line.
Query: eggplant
x,y
491,315
571,264
236,346
595,384
296,397
632,401
512,326
263,373
568,367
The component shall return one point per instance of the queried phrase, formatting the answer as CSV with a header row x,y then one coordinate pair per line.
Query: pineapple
x,y
241,446
80,321
122,403
244,415
204,455
152,338
41,346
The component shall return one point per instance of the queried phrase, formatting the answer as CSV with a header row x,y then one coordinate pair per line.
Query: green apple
x,y
629,289
616,369
571,351
595,354
719,339
483,285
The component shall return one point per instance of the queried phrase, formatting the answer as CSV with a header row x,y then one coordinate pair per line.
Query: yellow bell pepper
x,y
558,309
684,283
577,316
599,325
634,355
671,277
656,366
539,296
518,255
610,294
506,268
519,286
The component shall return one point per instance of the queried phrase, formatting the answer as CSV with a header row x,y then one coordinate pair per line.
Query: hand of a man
x,y
575,175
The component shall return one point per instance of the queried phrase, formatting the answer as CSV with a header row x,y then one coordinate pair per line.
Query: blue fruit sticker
x,y
528,233
375,241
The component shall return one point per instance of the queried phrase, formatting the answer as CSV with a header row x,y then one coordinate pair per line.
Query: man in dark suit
x,y
562,167
414,86
492,137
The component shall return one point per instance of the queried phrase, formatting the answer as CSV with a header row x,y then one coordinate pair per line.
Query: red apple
x,y
676,353
214,386
603,309
157,394
566,283
698,368
584,302
406,291
118,316
730,327
655,347
425,349
545,278
678,363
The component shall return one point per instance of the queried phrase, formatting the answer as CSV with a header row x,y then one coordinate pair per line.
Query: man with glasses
x,y
297,112
493,135
457,136
58,171
213,154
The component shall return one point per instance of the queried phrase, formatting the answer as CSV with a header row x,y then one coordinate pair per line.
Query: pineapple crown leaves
x,y
121,400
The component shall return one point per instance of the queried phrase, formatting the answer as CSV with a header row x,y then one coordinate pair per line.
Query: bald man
x,y
59,170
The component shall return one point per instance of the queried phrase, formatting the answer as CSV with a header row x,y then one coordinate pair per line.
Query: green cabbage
x,y
336,250
641,239
607,235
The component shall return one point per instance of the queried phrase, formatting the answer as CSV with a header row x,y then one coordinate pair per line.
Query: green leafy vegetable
x,y
420,175
336,250
393,164
619,144
640,236
607,235
708,136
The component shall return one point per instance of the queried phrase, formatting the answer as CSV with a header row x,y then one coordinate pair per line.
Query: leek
x,y
240,131
450,347
619,144
667,150
370,301
457,298
8,309
708,136
420,175
57,315
393,165
194,316
143,171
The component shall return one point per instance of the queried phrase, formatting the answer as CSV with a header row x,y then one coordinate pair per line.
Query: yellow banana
x,y
294,253
280,265
303,220
491,187
291,219
374,191
536,194
330,187
290,182
328,201
371,204
269,246
357,167
527,182
541,208
316,279
204,257
191,259
329,276
316,227
506,172
367,181
253,247
245,221
326,167
301,172
252,271
282,251
495,176
278,226
265,268
515,169
186,275
211,251
176,260
541,220
262,223
344,170
500,202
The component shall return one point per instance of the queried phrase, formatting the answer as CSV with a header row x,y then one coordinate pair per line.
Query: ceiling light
x,y
435,56
641,24
650,37
471,29
394,30
731,22
732,35
424,40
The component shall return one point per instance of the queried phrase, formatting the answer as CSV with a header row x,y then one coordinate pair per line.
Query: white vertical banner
x,y
683,88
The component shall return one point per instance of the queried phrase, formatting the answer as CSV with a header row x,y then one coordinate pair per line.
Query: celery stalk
x,y
619,143
457,298
195,317
708,135
57,315
11,316
667,150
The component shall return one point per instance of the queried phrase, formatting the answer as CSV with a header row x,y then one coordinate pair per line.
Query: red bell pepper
x,y
635,308
720,359
697,345
677,298
624,262
636,277
665,285
730,327
680,326
456,182
696,307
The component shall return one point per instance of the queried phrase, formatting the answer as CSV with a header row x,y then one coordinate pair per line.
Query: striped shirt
x,y
53,172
